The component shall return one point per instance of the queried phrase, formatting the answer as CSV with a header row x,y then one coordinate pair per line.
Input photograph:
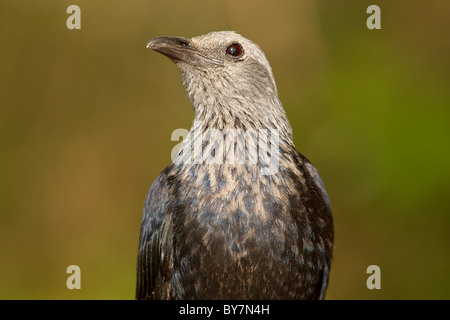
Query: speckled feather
x,y
225,231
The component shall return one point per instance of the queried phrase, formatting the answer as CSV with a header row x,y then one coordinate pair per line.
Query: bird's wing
x,y
155,245
326,214
323,210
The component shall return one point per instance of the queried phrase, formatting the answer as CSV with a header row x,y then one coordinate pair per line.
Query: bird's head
x,y
226,74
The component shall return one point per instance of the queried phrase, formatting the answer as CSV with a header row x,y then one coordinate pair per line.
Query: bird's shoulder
x,y
159,194
312,178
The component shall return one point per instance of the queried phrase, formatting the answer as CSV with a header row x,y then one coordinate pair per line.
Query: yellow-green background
x,y
86,118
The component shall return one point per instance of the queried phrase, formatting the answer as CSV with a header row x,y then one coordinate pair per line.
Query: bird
x,y
216,229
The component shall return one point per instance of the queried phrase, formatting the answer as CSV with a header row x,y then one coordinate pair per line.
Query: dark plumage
x,y
228,231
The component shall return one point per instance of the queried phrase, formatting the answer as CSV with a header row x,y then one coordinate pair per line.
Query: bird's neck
x,y
238,113
237,130
220,103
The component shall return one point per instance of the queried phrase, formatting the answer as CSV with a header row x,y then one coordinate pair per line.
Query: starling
x,y
259,227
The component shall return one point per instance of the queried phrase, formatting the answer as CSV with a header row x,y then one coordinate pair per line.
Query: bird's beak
x,y
180,49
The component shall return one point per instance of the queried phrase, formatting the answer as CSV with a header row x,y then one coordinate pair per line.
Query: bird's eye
x,y
235,50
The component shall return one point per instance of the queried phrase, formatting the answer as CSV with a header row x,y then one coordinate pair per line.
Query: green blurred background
x,y
86,118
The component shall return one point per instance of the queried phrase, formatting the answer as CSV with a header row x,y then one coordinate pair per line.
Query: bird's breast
x,y
235,210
